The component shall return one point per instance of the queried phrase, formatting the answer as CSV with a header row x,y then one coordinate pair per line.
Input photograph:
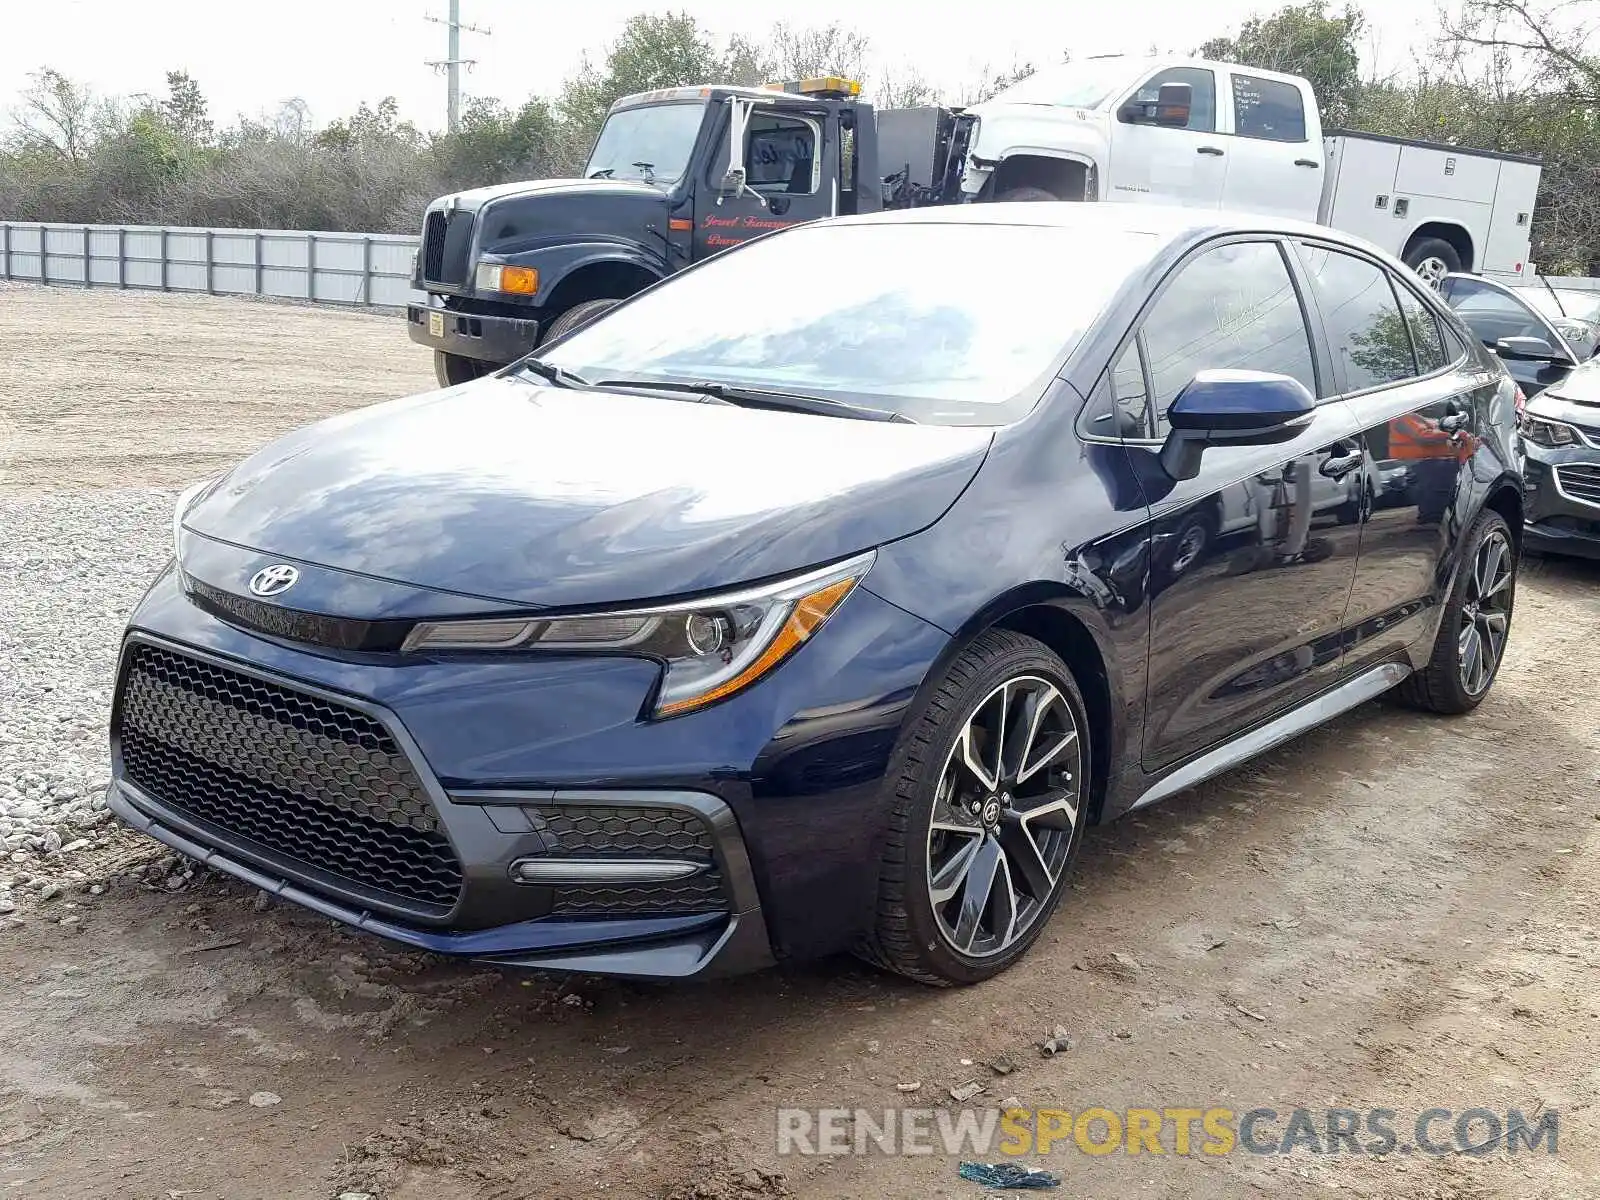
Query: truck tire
x,y
451,369
1013,195
1432,259
578,314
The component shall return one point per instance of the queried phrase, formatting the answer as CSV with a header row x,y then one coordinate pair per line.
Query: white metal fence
x,y
326,268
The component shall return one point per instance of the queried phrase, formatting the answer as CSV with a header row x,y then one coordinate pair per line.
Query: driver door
x,y
790,162
1493,312
1152,164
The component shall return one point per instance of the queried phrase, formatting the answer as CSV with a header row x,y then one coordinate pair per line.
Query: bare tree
x,y
819,50
1559,40
56,116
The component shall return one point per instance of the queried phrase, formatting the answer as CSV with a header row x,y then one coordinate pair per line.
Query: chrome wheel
x,y
1004,814
1432,270
1486,613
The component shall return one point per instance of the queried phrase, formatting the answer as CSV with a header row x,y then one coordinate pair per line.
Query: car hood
x,y
541,496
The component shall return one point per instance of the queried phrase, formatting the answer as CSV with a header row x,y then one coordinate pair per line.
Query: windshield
x,y
943,323
1074,85
1585,306
652,143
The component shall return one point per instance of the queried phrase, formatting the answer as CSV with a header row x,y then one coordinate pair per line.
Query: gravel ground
x,y
72,566
1393,911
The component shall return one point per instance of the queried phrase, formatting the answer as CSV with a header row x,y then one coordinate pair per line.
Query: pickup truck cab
x,y
1206,134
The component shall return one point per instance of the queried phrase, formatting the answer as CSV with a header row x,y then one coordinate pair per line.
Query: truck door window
x,y
1233,306
780,154
1203,95
1365,330
1267,108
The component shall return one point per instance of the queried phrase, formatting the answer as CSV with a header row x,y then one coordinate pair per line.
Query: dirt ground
x,y
1395,911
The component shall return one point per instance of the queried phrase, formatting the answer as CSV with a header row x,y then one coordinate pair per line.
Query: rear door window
x,y
1268,108
1366,332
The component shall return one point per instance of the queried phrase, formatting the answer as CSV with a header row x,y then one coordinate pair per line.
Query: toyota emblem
x,y
274,580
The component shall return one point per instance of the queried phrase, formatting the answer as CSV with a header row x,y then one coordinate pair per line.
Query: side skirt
x,y
1351,694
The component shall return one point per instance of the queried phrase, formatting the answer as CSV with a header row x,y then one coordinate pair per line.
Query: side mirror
x,y
1232,407
1527,349
1170,109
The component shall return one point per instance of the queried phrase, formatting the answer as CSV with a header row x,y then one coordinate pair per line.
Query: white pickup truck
x,y
1214,134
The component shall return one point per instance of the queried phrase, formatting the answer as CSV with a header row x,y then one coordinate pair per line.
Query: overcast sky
x,y
250,56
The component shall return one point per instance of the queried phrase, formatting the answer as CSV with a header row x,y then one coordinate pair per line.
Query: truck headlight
x,y
712,647
497,277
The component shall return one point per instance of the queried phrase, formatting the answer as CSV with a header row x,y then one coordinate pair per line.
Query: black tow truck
x,y
675,175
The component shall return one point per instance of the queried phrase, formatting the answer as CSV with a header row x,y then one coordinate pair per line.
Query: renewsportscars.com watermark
x,y
1098,1130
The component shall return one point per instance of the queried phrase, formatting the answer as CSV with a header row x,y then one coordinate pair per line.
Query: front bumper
x,y
486,337
1562,501
504,755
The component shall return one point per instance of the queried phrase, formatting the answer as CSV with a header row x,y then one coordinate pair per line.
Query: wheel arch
x,y
600,277
1068,623
1505,498
1067,176
1457,235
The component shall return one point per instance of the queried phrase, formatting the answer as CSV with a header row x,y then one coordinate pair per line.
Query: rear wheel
x,y
1432,259
451,369
1011,195
1474,626
578,314
989,799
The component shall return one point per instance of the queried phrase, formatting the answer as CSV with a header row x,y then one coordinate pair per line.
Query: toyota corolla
x,y
820,597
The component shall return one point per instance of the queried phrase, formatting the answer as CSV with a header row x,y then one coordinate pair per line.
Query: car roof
x,y
1171,222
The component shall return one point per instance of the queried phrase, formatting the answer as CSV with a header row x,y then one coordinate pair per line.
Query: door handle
x,y
1342,459
1307,162
1213,150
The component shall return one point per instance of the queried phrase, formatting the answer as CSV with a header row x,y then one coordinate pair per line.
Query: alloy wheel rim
x,y
1486,614
1004,813
1432,271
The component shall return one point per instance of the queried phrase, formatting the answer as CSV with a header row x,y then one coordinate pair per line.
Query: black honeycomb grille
x,y
595,830
300,777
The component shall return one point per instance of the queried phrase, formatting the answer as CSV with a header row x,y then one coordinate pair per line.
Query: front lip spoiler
x,y
702,946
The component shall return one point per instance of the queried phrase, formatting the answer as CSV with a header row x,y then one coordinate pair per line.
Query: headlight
x,y
712,647
497,277
1550,434
188,497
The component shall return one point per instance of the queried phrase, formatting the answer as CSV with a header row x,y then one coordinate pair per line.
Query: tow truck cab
x,y
675,175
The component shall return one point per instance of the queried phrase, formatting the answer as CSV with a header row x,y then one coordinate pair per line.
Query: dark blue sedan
x,y
819,597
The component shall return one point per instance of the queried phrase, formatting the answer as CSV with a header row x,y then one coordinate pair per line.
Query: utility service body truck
x,y
682,173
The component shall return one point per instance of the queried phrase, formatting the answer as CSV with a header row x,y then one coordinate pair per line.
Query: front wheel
x,y
578,314
451,369
989,794
1025,194
1474,626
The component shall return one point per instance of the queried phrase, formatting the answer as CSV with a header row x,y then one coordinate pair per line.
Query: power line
x,y
453,62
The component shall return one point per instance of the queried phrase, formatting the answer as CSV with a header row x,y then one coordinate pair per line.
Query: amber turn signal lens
x,y
522,280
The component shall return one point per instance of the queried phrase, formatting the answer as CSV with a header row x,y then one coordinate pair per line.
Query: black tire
x,y
1021,194
1439,687
1436,252
907,936
451,369
578,314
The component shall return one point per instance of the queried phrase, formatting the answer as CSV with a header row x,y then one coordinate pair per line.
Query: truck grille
x,y
293,776
447,247
598,830
1581,481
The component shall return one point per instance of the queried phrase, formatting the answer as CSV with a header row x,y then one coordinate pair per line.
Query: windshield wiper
x,y
552,374
732,393
602,173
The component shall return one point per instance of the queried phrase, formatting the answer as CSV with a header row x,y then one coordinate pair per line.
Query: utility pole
x,y
452,64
